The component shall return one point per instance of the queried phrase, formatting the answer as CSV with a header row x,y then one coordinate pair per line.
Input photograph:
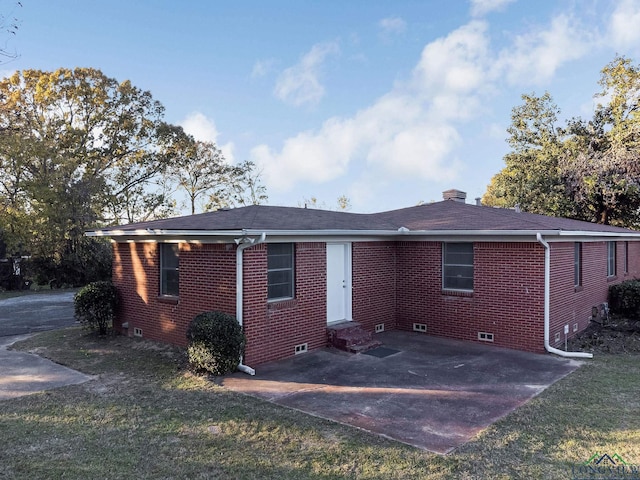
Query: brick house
x,y
291,275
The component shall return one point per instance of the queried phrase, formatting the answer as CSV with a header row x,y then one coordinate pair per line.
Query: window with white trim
x,y
280,269
457,266
577,264
611,259
626,257
169,269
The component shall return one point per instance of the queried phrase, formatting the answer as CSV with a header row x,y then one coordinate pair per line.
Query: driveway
x,y
24,373
429,392
36,313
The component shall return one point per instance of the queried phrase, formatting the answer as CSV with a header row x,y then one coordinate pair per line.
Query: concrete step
x,y
363,347
351,337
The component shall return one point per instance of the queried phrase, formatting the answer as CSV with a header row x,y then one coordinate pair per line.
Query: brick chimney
x,y
454,194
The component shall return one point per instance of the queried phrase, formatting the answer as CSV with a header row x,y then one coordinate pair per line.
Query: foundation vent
x,y
380,327
575,327
485,337
137,332
302,348
420,327
557,337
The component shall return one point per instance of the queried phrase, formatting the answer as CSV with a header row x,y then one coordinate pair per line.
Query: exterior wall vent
x,y
420,327
137,332
485,337
302,348
380,327
556,337
575,327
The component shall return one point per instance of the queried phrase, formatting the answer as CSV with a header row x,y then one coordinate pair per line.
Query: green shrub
x,y
215,343
624,298
95,305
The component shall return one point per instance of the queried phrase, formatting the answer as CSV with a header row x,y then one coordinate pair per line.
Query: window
x,y
611,259
457,266
626,257
279,271
577,264
169,269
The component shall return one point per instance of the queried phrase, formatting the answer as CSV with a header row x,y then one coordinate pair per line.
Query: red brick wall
x,y
374,284
207,282
570,305
507,299
274,329
395,283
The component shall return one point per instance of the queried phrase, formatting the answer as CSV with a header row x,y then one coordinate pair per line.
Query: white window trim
x,y
612,269
293,275
449,289
577,262
162,268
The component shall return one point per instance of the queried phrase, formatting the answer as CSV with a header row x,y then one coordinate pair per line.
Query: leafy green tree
x,y
601,160
77,149
198,168
532,166
588,170
209,181
242,187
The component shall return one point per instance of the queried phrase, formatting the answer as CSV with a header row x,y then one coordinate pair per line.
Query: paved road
x,y
36,313
23,373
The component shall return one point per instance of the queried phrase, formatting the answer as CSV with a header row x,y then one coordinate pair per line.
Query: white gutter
x,y
315,233
547,289
243,242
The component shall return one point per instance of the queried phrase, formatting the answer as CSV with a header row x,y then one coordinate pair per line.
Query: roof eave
x,y
401,233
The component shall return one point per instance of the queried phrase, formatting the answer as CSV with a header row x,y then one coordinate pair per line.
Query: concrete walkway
x,y
429,392
25,373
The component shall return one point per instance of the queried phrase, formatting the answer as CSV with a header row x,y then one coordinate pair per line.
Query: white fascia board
x,y
163,233
280,236
214,236
611,235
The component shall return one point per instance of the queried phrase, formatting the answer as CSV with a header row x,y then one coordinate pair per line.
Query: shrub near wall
x,y
216,342
624,298
95,305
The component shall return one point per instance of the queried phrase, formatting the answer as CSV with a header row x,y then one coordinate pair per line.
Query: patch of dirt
x,y
619,335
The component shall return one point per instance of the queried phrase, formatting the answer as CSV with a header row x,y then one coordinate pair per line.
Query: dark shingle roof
x,y
446,215
452,215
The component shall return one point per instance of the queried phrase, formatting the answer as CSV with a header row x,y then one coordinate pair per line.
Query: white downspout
x,y
244,242
547,289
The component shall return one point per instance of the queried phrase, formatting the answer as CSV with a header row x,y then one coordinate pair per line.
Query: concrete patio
x,y
432,393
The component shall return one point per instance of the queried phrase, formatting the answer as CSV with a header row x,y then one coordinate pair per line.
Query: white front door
x,y
338,282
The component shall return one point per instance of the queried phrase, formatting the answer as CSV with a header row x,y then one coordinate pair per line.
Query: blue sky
x,y
386,102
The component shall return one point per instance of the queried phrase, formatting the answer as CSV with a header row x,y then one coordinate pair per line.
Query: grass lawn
x,y
145,416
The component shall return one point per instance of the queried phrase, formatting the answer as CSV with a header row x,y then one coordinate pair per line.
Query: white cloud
x,y
411,130
202,128
392,25
480,8
624,24
536,56
452,70
262,68
300,84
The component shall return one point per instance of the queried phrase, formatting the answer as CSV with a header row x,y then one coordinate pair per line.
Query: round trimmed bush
x,y
215,343
95,305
